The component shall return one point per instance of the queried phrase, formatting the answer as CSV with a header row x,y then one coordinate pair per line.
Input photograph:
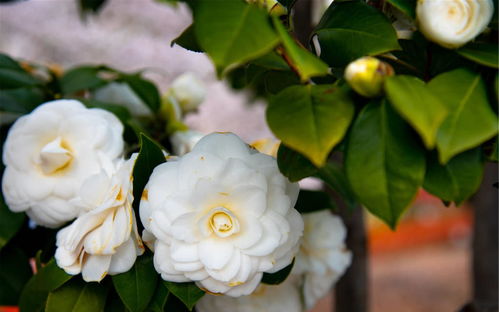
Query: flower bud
x,y
188,91
367,75
452,23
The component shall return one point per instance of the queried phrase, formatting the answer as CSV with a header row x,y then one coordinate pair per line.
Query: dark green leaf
x,y
384,164
158,301
36,291
188,40
137,286
81,78
305,63
311,201
21,100
119,111
8,62
114,303
232,32
458,179
334,176
352,29
91,5
14,78
15,271
294,165
144,89
414,101
311,119
471,120
406,6
481,53
150,155
188,293
276,81
279,276
77,296
10,222
272,61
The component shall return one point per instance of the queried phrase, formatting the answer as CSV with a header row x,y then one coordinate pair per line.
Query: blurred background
x,y
424,266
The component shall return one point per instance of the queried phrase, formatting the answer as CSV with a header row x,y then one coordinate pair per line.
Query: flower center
x,y
223,222
55,156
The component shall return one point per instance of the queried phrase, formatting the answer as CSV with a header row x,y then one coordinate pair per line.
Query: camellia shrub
x,y
111,203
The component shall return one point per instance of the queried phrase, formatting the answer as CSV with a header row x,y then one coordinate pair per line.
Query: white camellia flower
x,y
50,152
104,239
221,215
268,298
188,91
452,23
183,141
323,257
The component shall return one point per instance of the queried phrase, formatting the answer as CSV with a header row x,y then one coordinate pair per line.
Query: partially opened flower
x,y
323,257
188,91
452,23
221,215
268,298
50,152
104,239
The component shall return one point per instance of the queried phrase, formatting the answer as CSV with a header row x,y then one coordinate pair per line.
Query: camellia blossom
x,y
104,239
367,75
50,152
323,257
269,298
183,141
452,23
188,91
222,215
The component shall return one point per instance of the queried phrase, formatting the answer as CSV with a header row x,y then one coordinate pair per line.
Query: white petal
x,y
95,268
215,253
124,258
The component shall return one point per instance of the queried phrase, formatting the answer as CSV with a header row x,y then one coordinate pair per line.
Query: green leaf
x,y
271,61
121,112
81,78
144,89
384,164
188,293
21,100
311,119
294,165
16,78
137,286
150,155
159,299
77,296
414,101
458,179
471,120
305,63
279,276
15,271
232,32
36,290
10,222
91,5
352,29
312,201
188,40
481,53
408,7
334,176
9,63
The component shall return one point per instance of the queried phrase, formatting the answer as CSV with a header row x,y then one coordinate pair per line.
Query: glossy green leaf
x,y
9,63
137,286
458,179
188,40
20,100
15,271
294,165
119,111
406,6
144,89
81,78
384,164
10,222
481,53
37,289
311,119
471,120
77,296
188,293
233,32
334,176
279,276
306,64
159,299
414,101
150,155
14,78
311,201
352,29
